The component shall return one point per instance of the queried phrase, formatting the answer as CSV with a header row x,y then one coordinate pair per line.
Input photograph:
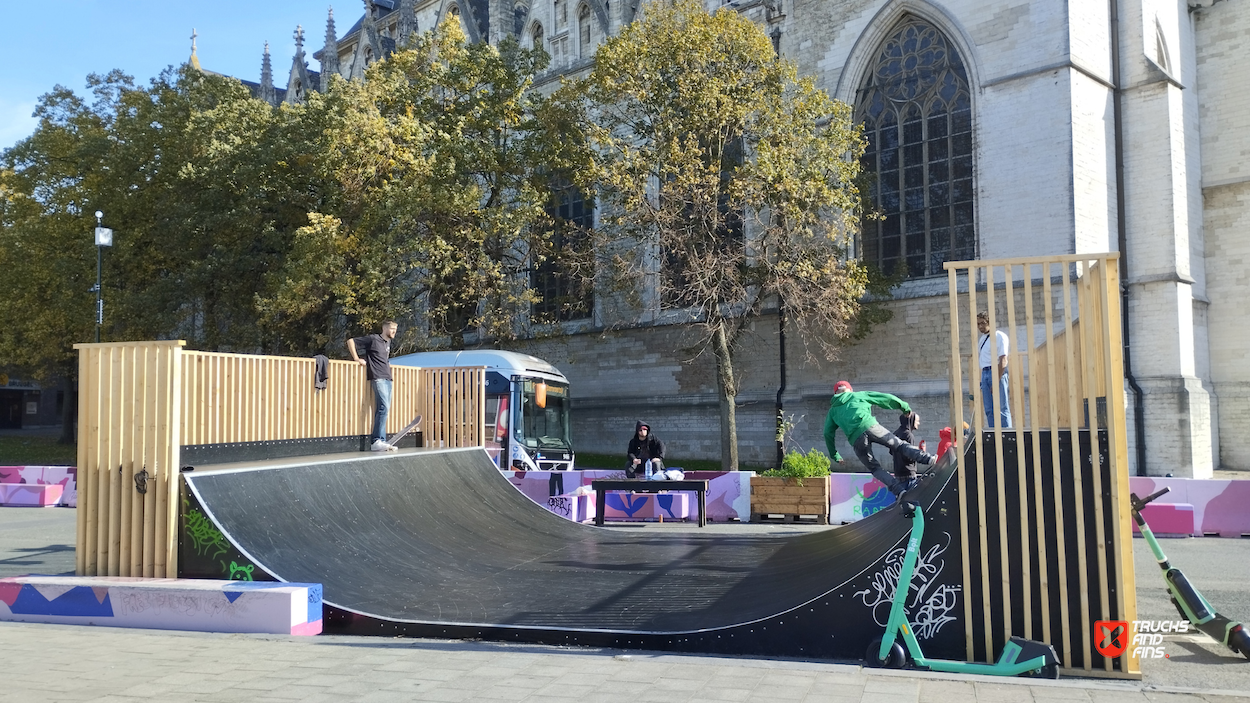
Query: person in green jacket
x,y
851,412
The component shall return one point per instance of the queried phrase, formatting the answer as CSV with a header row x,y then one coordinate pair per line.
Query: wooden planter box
x,y
784,496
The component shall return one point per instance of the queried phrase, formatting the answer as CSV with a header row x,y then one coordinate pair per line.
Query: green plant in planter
x,y
798,466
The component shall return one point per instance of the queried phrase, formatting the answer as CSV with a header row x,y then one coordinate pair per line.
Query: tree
x,y
729,182
191,174
441,161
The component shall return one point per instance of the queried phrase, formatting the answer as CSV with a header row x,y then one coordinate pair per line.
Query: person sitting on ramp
x,y
851,412
904,468
646,452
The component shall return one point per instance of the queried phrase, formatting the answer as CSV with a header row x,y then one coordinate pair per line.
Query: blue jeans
x,y
987,397
382,395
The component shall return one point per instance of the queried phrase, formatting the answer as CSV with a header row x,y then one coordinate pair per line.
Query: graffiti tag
x,y
929,604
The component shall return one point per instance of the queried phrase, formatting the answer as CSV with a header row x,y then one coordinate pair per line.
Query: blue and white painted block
x,y
621,505
164,604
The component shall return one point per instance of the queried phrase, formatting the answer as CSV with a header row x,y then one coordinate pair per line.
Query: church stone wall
x,y
1093,165
656,374
1222,33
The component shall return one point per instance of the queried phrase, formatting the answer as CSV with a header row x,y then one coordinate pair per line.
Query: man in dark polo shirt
x,y
376,352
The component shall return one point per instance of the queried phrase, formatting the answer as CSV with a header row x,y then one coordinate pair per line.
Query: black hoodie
x,y
906,423
645,449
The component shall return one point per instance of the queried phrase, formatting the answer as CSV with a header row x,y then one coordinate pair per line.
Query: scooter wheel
x,y
1050,671
1240,642
896,658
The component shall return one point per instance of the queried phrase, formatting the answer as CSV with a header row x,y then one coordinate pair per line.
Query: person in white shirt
x,y
993,367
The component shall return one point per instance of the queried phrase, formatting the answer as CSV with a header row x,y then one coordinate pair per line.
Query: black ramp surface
x,y
438,542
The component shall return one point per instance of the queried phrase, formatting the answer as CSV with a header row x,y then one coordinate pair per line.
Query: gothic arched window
x,y
917,113
538,36
583,29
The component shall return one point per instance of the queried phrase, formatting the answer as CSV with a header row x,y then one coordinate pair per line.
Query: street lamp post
x,y
103,238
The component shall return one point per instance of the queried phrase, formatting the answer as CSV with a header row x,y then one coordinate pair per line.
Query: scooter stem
x,y
902,588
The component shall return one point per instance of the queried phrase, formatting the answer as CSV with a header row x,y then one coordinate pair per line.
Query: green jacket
x,y
852,413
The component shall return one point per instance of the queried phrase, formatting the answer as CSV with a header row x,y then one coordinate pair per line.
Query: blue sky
x,y
60,43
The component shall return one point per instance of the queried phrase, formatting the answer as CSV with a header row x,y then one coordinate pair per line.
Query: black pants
x,y
633,471
880,435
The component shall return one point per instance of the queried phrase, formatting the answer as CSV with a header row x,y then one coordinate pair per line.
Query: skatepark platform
x,y
438,543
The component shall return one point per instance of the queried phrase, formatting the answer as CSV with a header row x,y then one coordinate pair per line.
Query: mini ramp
x,y
437,543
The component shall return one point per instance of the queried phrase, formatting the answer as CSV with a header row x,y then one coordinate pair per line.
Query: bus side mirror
x,y
540,394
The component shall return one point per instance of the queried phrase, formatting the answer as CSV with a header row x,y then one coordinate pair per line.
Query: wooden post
x,y
1034,424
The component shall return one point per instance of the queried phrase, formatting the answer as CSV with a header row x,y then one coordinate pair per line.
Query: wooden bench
x,y
638,485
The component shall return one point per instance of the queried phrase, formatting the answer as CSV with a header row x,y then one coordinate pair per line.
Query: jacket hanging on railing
x,y
322,373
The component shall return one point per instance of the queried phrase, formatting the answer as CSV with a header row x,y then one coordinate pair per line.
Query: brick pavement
x,y
68,663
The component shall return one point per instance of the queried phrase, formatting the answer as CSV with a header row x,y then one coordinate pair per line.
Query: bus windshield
x,y
545,415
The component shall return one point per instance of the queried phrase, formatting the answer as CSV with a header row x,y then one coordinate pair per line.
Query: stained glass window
x,y
917,113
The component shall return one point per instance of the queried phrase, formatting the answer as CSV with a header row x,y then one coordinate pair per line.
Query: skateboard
x,y
404,432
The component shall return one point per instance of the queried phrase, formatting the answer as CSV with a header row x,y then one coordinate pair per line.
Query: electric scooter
x,y
1188,601
1020,656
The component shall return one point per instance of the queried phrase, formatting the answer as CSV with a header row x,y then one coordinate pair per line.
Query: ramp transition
x,y
437,543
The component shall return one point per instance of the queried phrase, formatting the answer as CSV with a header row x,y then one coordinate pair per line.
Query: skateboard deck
x,y
404,432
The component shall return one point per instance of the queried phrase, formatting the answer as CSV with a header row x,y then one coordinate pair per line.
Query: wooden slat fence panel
x,y
1047,542
139,402
125,421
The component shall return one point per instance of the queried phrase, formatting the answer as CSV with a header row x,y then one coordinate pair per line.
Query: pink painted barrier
x,y
1219,507
30,495
851,496
64,476
1168,519
728,492
620,505
578,508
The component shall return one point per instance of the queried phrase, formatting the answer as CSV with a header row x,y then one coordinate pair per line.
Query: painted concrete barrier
x,y
64,476
1220,507
728,492
578,508
164,604
30,495
1168,519
854,497
851,496
618,505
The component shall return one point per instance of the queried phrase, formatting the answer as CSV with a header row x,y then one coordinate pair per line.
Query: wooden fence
x,y
1047,539
141,402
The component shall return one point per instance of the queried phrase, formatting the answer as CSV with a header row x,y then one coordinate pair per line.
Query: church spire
x,y
330,53
300,82
194,60
267,92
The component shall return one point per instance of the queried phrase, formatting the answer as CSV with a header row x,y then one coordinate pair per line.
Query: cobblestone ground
x,y
68,663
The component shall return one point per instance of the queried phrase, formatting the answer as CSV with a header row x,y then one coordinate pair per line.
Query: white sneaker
x,y
380,445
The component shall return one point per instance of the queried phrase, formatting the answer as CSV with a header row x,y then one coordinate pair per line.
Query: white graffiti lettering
x,y
136,601
929,605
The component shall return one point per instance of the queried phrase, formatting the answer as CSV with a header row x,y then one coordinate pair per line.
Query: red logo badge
x,y
1110,637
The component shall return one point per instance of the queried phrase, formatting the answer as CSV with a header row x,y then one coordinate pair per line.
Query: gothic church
x,y
998,130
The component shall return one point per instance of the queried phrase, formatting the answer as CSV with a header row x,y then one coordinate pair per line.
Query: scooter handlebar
x,y
1139,503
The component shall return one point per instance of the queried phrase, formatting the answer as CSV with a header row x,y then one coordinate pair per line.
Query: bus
x,y
527,406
